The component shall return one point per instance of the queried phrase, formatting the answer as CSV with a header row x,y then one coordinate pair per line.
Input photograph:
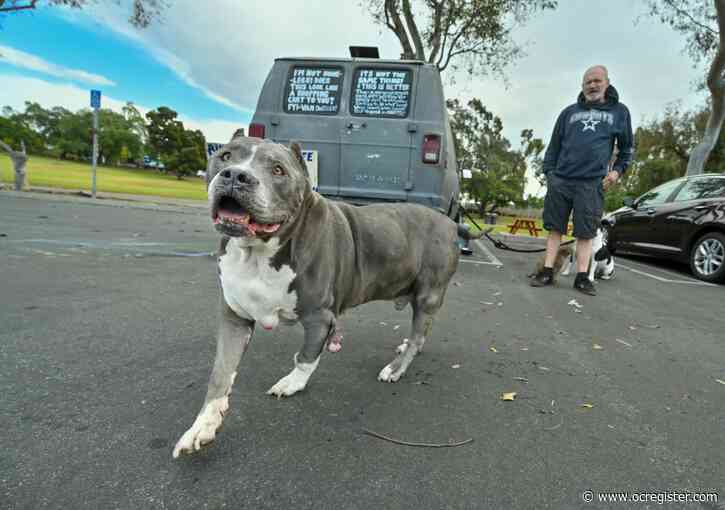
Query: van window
x,y
313,90
381,92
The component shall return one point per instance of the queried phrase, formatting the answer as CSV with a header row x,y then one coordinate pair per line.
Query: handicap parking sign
x,y
95,98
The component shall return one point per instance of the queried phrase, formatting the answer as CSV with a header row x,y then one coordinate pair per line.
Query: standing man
x,y
576,166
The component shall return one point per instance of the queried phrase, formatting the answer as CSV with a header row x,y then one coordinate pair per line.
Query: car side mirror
x,y
630,202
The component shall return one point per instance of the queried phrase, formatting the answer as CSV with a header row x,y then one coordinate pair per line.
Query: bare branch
x,y
452,49
6,147
413,30
715,83
16,7
436,39
685,14
391,12
714,76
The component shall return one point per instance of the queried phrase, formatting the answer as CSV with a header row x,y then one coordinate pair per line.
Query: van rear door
x,y
311,104
377,134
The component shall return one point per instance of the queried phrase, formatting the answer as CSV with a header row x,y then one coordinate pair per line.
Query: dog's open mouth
x,y
231,216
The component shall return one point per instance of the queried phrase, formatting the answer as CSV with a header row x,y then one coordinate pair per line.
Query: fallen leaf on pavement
x,y
396,327
575,303
597,347
633,328
457,365
623,342
586,405
508,396
492,349
720,381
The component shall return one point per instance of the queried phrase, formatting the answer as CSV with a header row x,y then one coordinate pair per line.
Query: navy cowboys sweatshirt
x,y
583,139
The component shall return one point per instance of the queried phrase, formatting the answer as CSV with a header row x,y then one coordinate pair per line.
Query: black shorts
x,y
584,196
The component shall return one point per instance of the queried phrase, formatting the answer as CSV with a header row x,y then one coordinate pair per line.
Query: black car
x,y
682,219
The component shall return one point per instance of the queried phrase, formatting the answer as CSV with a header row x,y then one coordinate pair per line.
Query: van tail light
x,y
431,149
256,130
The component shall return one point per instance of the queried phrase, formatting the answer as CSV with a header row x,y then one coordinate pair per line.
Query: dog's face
x,y
256,188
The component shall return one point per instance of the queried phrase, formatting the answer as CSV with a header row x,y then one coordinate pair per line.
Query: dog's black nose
x,y
239,178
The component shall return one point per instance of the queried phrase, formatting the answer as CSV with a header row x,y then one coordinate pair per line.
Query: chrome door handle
x,y
701,207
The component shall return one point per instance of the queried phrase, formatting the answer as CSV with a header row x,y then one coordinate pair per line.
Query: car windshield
x,y
702,188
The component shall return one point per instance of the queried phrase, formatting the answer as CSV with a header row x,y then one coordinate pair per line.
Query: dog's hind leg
x,y
318,327
234,336
424,309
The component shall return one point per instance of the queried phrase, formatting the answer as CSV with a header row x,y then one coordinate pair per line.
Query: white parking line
x,y
491,256
666,280
480,262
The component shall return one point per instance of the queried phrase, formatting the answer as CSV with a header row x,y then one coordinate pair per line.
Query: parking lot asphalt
x,y
107,325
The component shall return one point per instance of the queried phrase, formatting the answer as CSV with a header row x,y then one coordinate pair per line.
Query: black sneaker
x,y
584,285
543,278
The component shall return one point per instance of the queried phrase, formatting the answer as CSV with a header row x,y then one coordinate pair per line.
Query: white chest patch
x,y
254,289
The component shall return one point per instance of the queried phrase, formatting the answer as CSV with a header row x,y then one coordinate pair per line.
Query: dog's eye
x,y
225,156
278,170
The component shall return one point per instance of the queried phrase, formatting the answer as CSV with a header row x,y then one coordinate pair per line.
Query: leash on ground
x,y
500,244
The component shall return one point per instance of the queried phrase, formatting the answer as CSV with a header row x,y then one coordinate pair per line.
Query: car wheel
x,y
707,257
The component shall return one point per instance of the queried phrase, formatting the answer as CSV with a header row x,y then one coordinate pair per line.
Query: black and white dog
x,y
601,267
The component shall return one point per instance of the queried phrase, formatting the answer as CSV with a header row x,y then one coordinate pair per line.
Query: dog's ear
x,y
297,153
239,133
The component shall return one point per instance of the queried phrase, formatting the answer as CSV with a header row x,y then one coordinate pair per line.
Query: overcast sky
x,y
208,60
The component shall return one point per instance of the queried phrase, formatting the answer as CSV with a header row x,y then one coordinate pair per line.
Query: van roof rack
x,y
364,52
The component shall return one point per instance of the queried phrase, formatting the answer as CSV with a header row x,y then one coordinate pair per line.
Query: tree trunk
x,y
716,84
19,160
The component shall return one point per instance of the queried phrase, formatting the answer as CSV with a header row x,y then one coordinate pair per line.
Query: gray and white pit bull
x,y
289,255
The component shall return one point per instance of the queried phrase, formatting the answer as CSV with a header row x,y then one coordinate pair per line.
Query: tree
x,y
498,172
473,35
165,133
136,121
191,157
144,11
14,131
703,23
116,133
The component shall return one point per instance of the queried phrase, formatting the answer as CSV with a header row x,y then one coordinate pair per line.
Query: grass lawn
x,y
53,173
502,223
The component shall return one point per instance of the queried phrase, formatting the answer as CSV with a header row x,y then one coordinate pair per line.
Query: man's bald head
x,y
595,83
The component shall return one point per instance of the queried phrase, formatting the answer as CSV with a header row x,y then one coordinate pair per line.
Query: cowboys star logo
x,y
590,123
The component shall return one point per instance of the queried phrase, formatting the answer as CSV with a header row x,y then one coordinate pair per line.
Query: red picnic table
x,y
524,224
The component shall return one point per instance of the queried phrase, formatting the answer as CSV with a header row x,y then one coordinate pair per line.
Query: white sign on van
x,y
310,158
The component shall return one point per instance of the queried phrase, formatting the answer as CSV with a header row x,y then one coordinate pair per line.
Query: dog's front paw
x,y
390,373
204,429
290,384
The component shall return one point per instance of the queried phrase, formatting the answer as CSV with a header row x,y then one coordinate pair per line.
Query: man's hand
x,y
611,178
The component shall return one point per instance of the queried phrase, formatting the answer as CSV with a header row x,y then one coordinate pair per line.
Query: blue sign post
x,y
95,104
